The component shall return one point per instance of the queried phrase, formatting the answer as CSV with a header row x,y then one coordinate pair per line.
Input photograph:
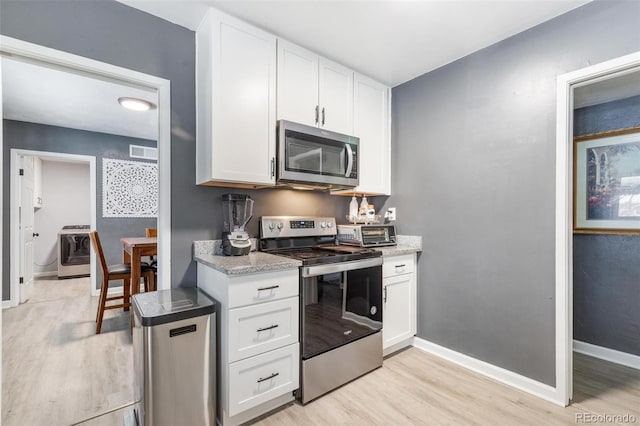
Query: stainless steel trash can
x,y
174,357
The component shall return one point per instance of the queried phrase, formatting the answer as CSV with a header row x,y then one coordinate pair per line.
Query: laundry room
x,y
62,209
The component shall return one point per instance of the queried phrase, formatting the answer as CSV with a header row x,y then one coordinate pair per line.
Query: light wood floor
x,y
56,371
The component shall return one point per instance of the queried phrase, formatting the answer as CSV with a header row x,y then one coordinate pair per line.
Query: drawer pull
x,y
401,266
273,287
260,380
271,327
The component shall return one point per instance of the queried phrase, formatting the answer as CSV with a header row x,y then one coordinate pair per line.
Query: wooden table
x,y
132,251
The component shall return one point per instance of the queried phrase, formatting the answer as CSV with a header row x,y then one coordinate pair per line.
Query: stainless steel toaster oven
x,y
367,235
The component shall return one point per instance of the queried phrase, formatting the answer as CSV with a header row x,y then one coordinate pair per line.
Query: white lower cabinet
x,y
258,380
259,350
399,315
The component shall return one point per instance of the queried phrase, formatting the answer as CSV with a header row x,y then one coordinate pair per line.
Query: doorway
x,y
28,52
565,188
22,282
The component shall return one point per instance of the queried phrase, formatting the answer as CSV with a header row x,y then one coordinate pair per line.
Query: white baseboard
x,y
499,374
622,358
7,304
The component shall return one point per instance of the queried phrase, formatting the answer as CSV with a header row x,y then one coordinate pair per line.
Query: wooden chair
x,y
116,272
151,233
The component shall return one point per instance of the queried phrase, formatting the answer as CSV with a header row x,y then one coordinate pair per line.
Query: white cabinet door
x,y
371,123
336,97
236,102
399,313
37,182
297,84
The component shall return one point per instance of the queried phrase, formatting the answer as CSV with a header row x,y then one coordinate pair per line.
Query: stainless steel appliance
x,y
316,157
340,301
367,235
174,356
237,210
74,251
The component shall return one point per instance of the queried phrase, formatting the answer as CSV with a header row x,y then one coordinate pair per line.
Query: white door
x,y
26,227
398,310
336,97
297,84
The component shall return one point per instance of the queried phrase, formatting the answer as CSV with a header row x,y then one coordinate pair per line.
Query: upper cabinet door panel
x,y
336,97
371,125
236,101
297,84
244,103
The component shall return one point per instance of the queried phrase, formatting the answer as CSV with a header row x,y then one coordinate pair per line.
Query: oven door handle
x,y
312,271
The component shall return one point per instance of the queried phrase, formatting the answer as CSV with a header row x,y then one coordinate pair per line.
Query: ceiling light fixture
x,y
135,104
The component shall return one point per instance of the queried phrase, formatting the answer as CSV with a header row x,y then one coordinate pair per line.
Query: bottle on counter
x,y
353,207
364,206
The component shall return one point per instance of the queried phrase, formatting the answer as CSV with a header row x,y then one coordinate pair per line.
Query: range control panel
x,y
296,226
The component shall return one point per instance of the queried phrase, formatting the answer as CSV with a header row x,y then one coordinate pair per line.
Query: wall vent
x,y
146,152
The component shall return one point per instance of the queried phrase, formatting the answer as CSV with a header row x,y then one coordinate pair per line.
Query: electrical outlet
x,y
391,213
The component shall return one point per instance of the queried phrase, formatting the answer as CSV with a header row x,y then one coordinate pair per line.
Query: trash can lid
x,y
163,306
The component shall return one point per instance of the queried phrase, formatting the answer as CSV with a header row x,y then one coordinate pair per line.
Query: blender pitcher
x,y
237,210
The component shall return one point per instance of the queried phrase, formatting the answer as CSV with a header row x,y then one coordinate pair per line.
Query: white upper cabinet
x,y
372,124
313,90
297,84
236,102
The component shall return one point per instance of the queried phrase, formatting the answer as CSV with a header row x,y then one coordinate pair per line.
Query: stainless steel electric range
x,y
340,301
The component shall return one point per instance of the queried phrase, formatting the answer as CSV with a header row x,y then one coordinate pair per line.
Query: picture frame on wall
x,y
607,184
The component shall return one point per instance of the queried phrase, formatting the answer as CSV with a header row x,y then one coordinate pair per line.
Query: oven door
x,y
310,155
340,303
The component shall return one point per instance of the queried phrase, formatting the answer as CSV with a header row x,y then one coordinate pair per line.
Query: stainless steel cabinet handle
x,y
317,112
271,327
260,380
385,295
273,166
273,287
401,266
323,116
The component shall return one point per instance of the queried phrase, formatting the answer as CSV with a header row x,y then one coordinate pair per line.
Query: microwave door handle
x,y
350,160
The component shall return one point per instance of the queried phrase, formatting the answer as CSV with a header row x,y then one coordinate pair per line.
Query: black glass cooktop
x,y
327,254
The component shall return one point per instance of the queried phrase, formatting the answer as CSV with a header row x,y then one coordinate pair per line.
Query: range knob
x,y
280,225
329,224
272,226
323,224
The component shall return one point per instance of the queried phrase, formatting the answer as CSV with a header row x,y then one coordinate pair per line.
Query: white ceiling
x,y
391,41
57,97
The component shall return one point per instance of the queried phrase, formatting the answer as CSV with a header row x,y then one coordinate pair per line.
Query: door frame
x,y
22,50
564,212
14,214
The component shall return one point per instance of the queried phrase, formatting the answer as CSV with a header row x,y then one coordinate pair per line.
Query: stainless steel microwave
x,y
315,157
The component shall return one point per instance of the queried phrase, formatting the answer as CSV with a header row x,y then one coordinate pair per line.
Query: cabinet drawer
x,y
266,287
263,327
259,379
398,265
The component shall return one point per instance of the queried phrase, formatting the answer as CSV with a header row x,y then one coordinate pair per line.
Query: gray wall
x,y
117,34
474,164
37,137
606,269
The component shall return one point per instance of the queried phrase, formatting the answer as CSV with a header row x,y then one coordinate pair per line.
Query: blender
x,y
237,210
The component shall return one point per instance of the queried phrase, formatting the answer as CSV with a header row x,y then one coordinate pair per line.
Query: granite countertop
x,y
407,244
209,253
254,262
